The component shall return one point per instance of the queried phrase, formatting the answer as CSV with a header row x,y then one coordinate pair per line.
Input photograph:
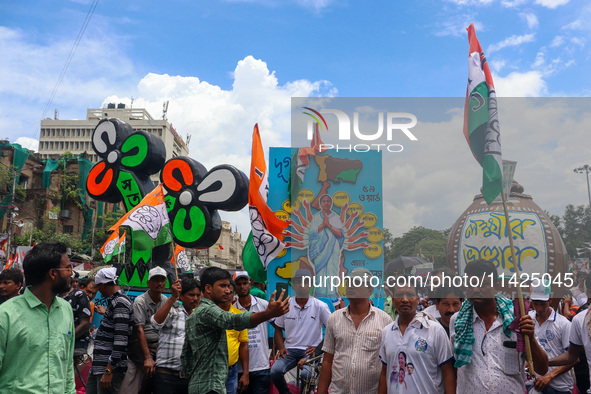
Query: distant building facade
x,y
59,136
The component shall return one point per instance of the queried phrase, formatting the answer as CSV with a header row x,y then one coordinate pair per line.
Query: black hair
x,y
211,275
443,292
84,282
405,281
482,267
409,364
76,275
13,274
42,258
404,354
188,284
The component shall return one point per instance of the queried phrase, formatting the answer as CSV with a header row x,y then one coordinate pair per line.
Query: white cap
x,y
106,275
156,271
240,274
540,293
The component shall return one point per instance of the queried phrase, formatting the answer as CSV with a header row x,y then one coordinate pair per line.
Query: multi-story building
x,y
227,250
59,136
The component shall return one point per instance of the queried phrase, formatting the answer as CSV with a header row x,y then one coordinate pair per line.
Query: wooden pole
x,y
530,361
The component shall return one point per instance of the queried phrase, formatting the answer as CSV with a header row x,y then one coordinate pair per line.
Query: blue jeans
x,y
232,382
283,365
259,382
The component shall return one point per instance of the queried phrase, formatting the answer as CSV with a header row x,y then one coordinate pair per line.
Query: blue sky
x,y
225,65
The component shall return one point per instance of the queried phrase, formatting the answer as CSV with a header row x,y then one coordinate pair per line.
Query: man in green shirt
x,y
37,329
205,351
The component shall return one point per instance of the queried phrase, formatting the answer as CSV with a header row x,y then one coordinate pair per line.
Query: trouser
x,y
283,365
135,382
93,384
166,383
232,382
259,382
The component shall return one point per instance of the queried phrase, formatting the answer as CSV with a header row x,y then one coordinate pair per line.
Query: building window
x,y
78,132
160,132
67,145
62,145
68,229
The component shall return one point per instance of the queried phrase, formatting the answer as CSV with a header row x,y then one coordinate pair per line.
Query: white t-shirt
x,y
580,337
258,342
553,336
303,326
425,348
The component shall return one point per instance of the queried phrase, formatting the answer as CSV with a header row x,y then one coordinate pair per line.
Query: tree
x,y
431,243
576,227
388,245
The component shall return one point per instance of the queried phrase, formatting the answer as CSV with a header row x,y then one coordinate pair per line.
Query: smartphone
x,y
279,287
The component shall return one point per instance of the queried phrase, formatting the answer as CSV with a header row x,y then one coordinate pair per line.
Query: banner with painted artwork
x,y
484,236
336,218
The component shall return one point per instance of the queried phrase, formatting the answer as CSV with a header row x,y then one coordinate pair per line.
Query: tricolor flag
x,y
481,123
111,246
148,221
267,228
181,260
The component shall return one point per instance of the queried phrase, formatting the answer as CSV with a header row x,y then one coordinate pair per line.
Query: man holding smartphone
x,y
303,330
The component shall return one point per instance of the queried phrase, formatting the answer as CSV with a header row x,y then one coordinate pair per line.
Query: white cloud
x,y
574,25
540,60
513,3
512,41
551,3
557,42
457,25
520,84
531,19
29,143
497,65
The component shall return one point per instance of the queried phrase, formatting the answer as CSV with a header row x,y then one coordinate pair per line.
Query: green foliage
x,y
575,227
431,243
39,235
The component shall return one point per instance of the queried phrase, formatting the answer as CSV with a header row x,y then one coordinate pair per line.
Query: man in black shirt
x,y
448,301
81,308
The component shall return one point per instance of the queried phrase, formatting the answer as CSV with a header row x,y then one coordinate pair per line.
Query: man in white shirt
x,y
579,337
258,338
303,330
552,333
415,351
484,345
352,342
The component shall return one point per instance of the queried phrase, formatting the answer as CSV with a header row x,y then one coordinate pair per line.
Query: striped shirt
x,y
171,338
112,336
356,365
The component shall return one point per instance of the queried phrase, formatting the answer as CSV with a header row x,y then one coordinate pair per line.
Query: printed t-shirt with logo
x,y
414,360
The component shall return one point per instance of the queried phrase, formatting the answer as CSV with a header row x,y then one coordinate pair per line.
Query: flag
x,y
252,262
181,260
148,221
220,247
9,261
3,244
481,123
122,241
111,247
267,228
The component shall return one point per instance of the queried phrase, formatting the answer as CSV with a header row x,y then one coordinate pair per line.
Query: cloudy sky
x,y
226,64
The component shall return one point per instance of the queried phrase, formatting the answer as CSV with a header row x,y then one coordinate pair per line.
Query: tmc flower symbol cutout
x,y
128,159
194,195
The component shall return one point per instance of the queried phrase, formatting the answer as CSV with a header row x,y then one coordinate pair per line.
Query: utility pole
x,y
586,169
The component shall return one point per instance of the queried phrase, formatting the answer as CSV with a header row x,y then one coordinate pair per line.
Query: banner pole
x,y
530,361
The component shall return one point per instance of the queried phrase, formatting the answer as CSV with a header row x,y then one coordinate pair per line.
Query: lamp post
x,y
586,169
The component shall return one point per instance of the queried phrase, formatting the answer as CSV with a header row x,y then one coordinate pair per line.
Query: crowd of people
x,y
210,335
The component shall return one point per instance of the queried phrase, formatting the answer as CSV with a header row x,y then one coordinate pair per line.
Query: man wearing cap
x,y
552,332
352,341
258,345
144,341
37,328
303,330
109,360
